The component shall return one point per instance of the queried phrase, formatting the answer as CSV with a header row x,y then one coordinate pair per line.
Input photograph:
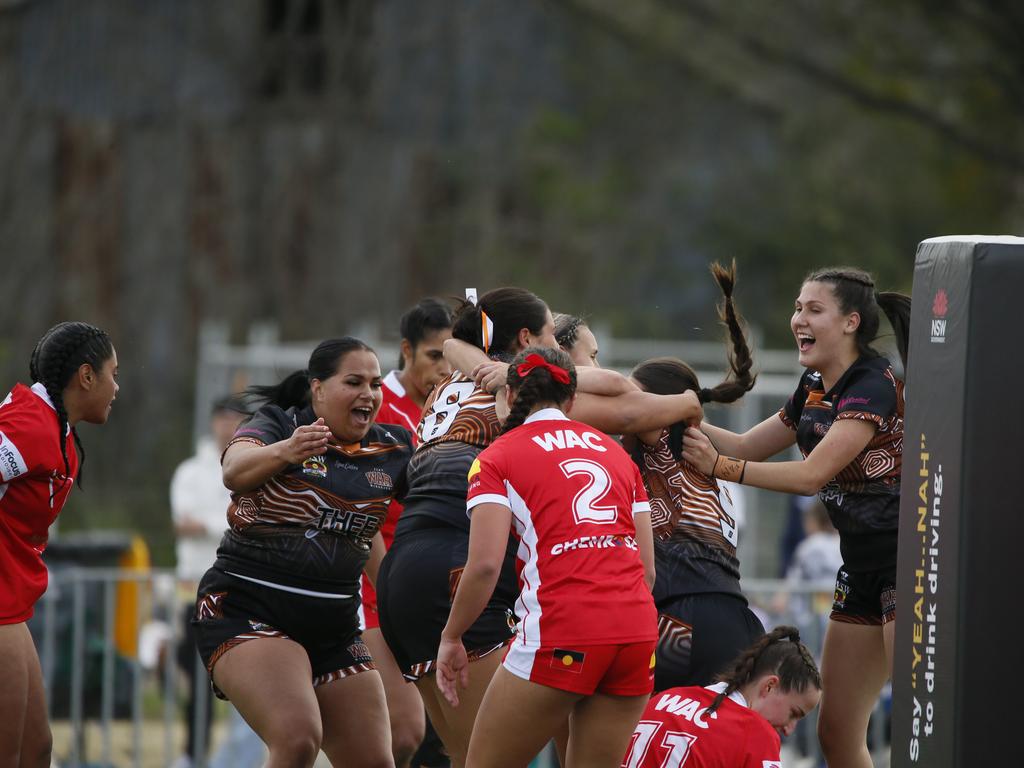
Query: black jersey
x,y
695,533
863,500
459,420
310,525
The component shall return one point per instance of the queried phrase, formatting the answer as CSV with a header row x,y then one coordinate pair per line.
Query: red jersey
x,y
396,408
676,731
33,488
573,492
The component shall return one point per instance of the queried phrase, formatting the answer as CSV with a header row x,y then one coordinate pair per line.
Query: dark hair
x,y
55,359
230,404
670,376
567,330
510,309
293,391
854,289
428,315
538,386
779,652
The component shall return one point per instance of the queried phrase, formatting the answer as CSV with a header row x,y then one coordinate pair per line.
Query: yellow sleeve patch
x,y
474,470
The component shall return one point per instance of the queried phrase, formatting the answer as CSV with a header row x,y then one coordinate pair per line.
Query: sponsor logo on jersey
x,y
315,466
568,661
474,470
12,464
771,764
259,626
940,305
380,480
594,542
358,524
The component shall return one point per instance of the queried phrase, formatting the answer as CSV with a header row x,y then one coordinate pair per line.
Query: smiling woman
x,y
312,477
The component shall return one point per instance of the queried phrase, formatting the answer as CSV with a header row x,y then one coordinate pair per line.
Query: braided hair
x,y
778,652
670,376
854,289
567,329
538,386
55,359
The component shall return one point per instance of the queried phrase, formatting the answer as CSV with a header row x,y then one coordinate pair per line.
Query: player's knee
x,y
295,747
405,740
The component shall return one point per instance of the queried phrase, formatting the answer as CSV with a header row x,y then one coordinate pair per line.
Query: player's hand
x,y
490,376
452,669
699,451
307,441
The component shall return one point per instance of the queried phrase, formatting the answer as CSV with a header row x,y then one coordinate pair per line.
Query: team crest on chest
x,y
379,479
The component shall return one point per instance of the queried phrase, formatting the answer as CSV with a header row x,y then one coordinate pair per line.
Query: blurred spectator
x,y
199,503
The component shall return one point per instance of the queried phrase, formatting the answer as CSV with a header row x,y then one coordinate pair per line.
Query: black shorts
x,y
699,635
865,597
231,611
415,588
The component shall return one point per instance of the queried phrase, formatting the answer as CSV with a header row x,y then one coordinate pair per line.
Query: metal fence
x,y
112,704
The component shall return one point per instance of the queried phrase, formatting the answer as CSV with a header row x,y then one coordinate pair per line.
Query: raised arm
x,y
636,411
246,466
841,445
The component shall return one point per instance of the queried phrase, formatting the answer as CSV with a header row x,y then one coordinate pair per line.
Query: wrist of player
x,y
729,469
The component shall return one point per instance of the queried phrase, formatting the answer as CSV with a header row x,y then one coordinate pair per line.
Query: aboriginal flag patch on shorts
x,y
567,661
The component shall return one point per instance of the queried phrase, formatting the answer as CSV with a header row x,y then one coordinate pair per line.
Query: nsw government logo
x,y
940,305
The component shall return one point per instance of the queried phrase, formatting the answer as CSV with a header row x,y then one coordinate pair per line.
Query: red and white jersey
x,y
676,731
573,492
397,407
33,488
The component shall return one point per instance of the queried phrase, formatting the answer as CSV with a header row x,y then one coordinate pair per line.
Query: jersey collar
x,y
546,414
391,382
43,395
736,696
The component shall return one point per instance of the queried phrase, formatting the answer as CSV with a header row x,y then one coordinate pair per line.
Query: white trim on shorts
x,y
293,590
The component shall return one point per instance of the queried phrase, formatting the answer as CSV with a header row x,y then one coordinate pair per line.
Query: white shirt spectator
x,y
198,495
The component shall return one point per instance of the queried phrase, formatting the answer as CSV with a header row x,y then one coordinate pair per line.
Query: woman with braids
x,y
587,630
277,616
74,373
846,417
735,723
422,568
575,338
704,620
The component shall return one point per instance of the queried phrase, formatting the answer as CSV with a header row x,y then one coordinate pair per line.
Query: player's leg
x,y
25,740
516,719
405,708
279,702
458,722
600,729
355,719
854,668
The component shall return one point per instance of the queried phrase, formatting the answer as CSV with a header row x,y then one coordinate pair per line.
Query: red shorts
x,y
369,613
622,669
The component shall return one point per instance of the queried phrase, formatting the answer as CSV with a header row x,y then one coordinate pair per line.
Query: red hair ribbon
x,y
533,360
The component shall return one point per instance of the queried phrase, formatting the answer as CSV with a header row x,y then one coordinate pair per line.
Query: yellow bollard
x,y
129,595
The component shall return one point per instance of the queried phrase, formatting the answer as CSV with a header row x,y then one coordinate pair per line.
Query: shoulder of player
x,y
869,370
387,436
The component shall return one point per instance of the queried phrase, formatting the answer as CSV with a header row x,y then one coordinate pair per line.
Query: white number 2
x,y
677,743
585,507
